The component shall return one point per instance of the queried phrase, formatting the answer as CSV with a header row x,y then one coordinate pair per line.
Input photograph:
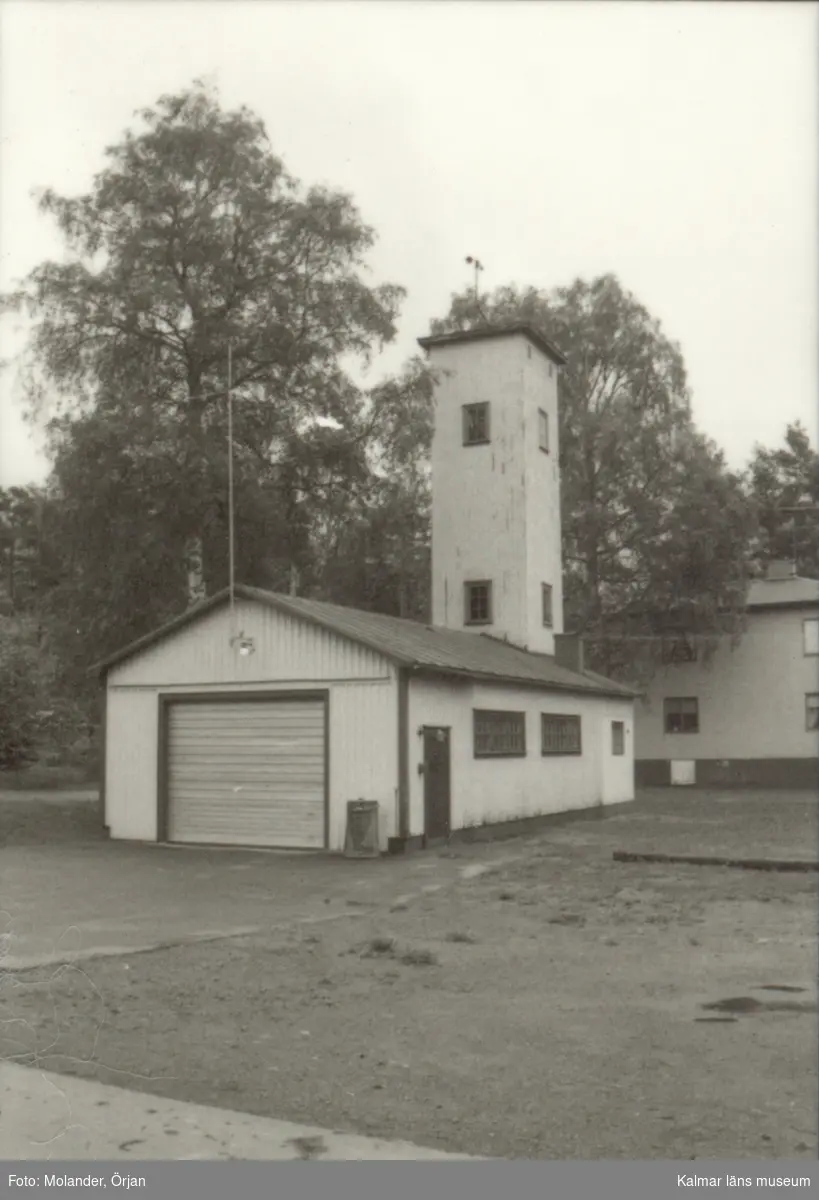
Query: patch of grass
x,y
43,778
379,946
308,1147
419,958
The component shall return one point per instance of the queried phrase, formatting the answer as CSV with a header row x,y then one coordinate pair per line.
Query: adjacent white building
x,y
254,719
748,715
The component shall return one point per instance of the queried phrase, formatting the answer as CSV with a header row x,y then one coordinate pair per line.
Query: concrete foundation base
x,y
523,826
801,774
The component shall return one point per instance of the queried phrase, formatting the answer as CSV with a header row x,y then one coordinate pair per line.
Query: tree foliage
x,y
378,556
784,486
34,712
195,256
195,260
29,564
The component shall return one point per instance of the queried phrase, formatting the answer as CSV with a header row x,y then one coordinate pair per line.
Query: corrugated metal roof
x,y
495,331
773,593
410,644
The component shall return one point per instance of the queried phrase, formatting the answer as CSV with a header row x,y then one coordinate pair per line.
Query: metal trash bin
x,y
361,839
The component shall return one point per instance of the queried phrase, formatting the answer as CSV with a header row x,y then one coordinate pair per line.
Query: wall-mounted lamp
x,y
245,645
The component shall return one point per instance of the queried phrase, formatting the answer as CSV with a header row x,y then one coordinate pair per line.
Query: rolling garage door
x,y
247,773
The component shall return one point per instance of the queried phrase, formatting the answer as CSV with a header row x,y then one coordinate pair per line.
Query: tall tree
x,y
28,549
193,244
784,486
655,529
379,556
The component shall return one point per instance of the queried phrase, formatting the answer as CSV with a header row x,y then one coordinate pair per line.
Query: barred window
x,y
499,734
476,424
560,734
618,737
682,714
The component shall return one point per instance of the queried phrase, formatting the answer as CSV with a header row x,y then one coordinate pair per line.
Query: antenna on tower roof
x,y
477,266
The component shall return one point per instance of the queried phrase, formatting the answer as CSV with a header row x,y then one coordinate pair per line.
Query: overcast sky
x,y
672,144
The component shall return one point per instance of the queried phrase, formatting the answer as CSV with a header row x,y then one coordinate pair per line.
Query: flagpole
x,y
231,549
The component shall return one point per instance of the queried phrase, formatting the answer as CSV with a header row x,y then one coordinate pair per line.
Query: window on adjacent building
x,y
812,710
499,734
560,734
546,603
476,424
682,714
478,602
810,636
618,737
543,430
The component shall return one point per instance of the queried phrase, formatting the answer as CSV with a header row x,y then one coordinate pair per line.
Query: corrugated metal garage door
x,y
247,773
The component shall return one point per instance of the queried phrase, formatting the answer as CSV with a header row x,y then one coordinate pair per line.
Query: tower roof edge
x,y
519,329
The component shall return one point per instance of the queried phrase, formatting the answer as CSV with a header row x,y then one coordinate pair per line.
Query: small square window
x,y
546,603
682,714
478,603
810,636
543,430
618,737
812,711
476,424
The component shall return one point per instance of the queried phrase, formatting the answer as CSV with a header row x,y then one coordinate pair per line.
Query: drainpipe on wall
x,y
403,754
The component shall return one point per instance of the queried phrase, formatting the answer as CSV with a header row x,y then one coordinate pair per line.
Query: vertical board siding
x,y
131,764
287,649
489,791
363,753
751,698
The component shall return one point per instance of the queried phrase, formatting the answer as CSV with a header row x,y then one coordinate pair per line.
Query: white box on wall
x,y
683,772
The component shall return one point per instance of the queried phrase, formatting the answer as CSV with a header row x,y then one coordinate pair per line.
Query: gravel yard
x,y
549,1003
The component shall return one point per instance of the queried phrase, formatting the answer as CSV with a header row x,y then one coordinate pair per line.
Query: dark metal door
x,y
436,783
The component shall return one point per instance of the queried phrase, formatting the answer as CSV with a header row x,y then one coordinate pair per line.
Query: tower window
x,y
476,424
546,601
543,430
478,603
